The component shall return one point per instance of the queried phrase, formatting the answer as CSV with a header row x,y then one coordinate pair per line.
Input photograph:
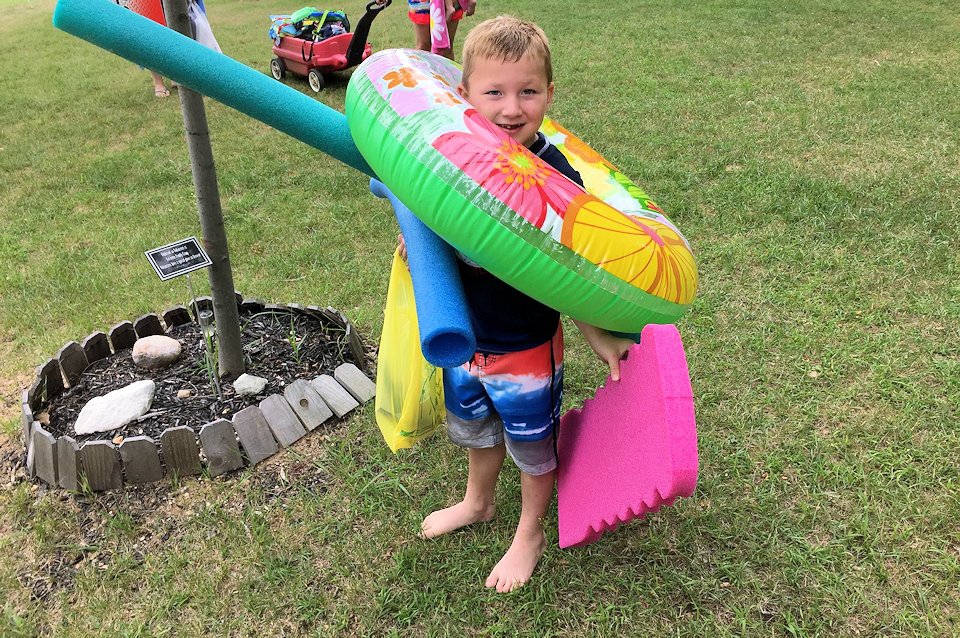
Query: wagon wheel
x,y
315,78
278,69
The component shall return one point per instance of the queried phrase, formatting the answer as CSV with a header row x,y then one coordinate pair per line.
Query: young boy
x,y
507,398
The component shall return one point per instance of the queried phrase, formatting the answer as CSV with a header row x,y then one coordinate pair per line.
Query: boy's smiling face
x,y
513,95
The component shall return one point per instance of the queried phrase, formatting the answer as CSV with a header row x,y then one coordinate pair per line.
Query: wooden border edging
x,y
221,446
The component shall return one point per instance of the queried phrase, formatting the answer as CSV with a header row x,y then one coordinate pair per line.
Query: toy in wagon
x,y
313,43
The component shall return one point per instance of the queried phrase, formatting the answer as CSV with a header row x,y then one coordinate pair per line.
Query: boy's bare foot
x,y
161,91
454,517
517,565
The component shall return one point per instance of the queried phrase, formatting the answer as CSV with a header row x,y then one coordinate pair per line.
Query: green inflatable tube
x,y
169,53
608,256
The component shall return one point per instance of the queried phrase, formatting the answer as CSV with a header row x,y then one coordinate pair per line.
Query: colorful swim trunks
x,y
419,12
523,388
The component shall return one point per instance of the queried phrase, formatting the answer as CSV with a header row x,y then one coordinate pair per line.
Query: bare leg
x,y
159,89
517,565
421,35
452,31
477,504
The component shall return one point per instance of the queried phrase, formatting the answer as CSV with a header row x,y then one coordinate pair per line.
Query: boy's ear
x,y
462,90
550,94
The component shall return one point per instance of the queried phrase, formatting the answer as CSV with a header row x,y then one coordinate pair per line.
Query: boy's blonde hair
x,y
507,39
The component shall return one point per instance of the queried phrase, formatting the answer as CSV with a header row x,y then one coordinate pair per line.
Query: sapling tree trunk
x,y
225,311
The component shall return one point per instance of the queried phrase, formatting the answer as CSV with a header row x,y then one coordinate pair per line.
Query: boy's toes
x,y
516,584
503,584
425,530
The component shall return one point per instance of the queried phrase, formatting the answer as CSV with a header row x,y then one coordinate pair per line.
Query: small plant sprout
x,y
294,342
205,318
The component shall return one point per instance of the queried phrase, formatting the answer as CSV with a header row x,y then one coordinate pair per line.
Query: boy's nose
x,y
512,107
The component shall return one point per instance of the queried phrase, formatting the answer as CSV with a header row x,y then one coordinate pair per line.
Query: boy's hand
x,y
609,348
402,247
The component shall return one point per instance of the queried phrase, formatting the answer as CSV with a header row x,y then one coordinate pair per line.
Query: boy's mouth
x,y
511,127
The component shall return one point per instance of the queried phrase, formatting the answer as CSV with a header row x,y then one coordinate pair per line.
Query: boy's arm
x,y
609,348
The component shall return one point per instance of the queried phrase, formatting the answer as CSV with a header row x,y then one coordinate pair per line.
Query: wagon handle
x,y
377,6
359,39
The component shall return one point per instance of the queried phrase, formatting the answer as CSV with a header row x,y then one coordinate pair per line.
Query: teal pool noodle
x,y
213,74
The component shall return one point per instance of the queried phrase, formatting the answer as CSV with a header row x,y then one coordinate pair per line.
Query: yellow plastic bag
x,y
409,402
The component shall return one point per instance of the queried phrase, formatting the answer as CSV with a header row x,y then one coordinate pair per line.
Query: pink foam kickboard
x,y
631,448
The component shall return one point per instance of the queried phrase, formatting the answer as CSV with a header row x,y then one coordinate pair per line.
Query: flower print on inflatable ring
x,y
507,170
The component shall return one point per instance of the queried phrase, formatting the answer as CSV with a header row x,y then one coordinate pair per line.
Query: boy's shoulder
x,y
545,150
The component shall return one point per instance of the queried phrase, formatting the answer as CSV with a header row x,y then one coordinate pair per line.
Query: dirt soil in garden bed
x,y
279,346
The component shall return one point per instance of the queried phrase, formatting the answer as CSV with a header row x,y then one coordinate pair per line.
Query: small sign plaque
x,y
178,258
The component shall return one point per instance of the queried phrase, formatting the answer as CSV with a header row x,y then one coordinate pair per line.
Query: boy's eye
x,y
493,92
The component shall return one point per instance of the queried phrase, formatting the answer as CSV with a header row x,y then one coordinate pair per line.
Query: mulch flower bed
x,y
311,358
279,346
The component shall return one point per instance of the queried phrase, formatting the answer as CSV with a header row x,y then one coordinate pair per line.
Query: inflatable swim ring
x,y
607,256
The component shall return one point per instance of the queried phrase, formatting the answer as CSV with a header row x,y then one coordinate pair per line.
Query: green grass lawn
x,y
809,151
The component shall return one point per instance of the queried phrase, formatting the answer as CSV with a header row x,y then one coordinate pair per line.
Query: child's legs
x,y
537,461
530,411
419,13
529,542
478,500
472,424
482,472
451,33
421,36
535,493
483,439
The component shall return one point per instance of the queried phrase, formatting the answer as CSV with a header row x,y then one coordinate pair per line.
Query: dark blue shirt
x,y
504,319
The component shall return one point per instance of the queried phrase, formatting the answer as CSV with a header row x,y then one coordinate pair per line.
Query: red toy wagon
x,y
314,43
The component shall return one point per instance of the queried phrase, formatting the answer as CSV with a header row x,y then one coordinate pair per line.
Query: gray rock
x,y
249,384
116,409
156,351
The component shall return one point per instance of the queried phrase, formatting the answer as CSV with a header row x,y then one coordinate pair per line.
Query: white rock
x,y
156,351
249,384
116,409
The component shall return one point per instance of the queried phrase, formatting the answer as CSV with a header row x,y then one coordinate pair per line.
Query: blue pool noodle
x,y
180,58
446,337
